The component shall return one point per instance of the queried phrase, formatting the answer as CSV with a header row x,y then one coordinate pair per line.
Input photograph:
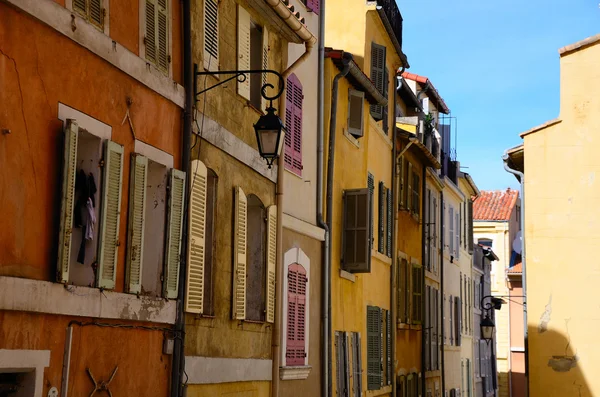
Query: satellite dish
x,y
517,245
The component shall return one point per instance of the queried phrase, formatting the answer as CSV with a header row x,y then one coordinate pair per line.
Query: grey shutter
x,y
371,186
470,227
346,342
374,375
385,94
427,329
339,364
458,321
451,330
427,227
390,223
388,345
434,340
377,76
356,250
381,228
356,364
356,100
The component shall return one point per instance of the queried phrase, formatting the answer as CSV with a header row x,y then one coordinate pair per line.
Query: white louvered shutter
x,y
162,42
239,254
243,87
271,261
67,200
150,37
80,6
265,65
211,35
111,215
194,296
174,234
137,220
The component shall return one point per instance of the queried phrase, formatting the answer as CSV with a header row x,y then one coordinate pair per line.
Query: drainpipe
x,y
276,335
326,309
178,365
521,177
424,309
442,341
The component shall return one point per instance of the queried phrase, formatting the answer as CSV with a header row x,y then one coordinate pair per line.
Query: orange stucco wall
x,y
38,69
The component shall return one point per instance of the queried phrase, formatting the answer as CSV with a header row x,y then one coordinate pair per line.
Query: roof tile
x,y
495,205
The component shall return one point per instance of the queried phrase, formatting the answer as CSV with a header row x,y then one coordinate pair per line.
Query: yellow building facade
x,y
560,161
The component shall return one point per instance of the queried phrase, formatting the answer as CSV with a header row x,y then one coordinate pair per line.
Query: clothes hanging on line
x,y
85,215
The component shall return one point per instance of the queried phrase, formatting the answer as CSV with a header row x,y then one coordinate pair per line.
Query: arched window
x,y
256,259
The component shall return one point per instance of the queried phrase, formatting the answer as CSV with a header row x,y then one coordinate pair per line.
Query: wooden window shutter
x,y
427,230
111,214
409,189
313,5
96,13
356,254
451,229
293,121
272,262
390,222
416,203
211,35
356,100
296,318
356,365
385,115
402,386
374,373
174,233
457,235
388,346
427,330
243,50
451,319
289,124
67,200
417,294
434,328
371,186
265,65
401,297
137,220
470,226
150,37
80,6
458,319
402,187
239,254
339,364
377,76
196,258
162,35
381,215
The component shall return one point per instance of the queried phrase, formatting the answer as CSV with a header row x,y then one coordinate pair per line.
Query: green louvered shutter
x,y
390,223
137,219
174,234
371,185
374,356
381,228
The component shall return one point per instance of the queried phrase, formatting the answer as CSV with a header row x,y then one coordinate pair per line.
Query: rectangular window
x,y
91,10
427,230
417,294
457,319
378,61
293,123
156,37
374,348
342,364
356,250
356,101
435,233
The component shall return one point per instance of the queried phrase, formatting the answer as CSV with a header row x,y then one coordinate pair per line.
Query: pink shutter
x,y
296,318
297,133
313,5
289,123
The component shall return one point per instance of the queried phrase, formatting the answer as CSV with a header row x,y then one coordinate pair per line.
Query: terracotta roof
x,y
494,205
516,269
441,105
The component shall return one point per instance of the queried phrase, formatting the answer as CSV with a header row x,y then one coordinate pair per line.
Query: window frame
x,y
105,28
142,35
356,133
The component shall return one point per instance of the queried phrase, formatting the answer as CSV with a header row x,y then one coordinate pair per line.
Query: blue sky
x,y
496,65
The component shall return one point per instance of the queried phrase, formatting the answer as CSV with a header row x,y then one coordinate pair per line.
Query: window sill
x,y
251,106
382,257
352,139
384,390
432,374
347,275
414,327
294,373
293,173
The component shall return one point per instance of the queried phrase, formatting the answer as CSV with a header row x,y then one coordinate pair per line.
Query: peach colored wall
x,y
38,69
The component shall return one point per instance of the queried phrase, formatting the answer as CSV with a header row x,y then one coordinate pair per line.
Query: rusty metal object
x,y
101,386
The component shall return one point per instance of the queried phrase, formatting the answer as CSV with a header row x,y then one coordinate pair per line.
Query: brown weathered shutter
x,y
374,353
381,216
356,255
390,222
385,114
470,227
377,76
355,112
356,365
458,319
371,186
271,264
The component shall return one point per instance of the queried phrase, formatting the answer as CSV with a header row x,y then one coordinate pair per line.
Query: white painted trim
x,y
294,373
90,124
347,276
217,135
85,34
105,5
303,227
46,297
209,370
517,349
154,154
26,361
295,255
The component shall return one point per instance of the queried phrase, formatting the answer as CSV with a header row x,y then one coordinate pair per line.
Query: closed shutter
x,y
296,316
458,319
137,219
111,214
417,294
174,233
457,236
409,188
151,38
211,35
417,195
340,365
470,227
401,290
381,214
80,6
239,254
371,185
356,253
385,115
469,381
196,259
390,223
96,14
313,5
293,120
443,220
265,65
402,187
388,346
377,76
451,230
427,229
271,261
402,386
67,200
435,330
427,330
243,50
162,35
355,113
434,253
356,364
451,319
374,356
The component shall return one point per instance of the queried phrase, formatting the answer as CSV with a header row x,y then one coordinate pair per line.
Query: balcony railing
x,y
394,17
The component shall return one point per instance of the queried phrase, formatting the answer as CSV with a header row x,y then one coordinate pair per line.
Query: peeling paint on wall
x,y
545,318
563,363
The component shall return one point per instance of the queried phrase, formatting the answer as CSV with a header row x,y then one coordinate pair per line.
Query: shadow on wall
x,y
555,368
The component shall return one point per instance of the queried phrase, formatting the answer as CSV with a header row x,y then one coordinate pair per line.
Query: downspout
x,y
521,177
178,366
423,286
276,335
443,335
326,310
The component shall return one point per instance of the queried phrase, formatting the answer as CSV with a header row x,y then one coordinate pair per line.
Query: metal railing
x,y
395,18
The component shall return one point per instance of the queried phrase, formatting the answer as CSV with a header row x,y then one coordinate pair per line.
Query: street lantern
x,y
269,135
487,329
